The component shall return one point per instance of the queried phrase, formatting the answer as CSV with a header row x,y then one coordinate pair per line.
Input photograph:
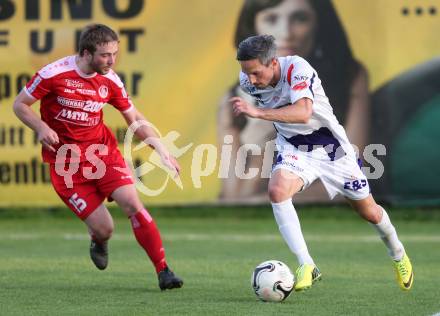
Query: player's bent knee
x,y
103,232
278,193
130,204
108,232
371,212
375,215
131,207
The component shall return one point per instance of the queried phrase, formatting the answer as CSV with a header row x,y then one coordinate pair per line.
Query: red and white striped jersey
x,y
72,102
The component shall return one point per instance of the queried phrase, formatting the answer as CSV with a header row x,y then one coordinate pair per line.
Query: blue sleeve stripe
x,y
311,84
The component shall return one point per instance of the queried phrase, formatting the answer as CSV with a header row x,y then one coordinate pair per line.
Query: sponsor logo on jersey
x,y
74,83
291,156
288,161
67,90
72,103
300,78
86,92
103,91
89,105
300,86
77,117
93,106
34,84
290,165
74,115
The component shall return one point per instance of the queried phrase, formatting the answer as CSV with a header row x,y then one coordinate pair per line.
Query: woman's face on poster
x,y
292,23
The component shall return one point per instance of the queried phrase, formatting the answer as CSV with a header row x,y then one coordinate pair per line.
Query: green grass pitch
x,y
45,267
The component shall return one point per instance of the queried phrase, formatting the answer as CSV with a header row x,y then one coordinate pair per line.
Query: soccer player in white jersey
x,y
311,144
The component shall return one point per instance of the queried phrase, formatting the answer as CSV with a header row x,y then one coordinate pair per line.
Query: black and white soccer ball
x,y
272,281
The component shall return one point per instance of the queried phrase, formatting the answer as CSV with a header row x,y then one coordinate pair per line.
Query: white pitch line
x,y
225,237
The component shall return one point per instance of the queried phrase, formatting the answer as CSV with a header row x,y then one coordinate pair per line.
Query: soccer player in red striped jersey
x,y
72,92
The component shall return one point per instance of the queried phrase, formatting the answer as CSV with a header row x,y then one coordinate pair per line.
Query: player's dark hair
x,y
261,47
93,35
331,55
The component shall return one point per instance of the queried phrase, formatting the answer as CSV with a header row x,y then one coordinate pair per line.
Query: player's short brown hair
x,y
93,35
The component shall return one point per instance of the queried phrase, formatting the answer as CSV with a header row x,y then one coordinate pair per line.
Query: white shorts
x,y
343,176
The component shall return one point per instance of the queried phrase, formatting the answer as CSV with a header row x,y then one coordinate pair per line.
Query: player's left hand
x,y
240,106
170,162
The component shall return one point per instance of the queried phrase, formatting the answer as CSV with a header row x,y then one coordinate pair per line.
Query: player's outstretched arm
x,y
299,112
22,108
144,130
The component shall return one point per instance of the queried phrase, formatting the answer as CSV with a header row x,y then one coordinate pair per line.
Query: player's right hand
x,y
240,106
47,137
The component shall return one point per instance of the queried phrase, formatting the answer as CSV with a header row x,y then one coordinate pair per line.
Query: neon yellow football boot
x,y
306,275
404,273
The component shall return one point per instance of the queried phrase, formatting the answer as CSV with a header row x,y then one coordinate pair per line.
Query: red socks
x,y
148,237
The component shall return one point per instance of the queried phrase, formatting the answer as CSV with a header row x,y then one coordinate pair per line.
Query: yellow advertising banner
x,y
177,59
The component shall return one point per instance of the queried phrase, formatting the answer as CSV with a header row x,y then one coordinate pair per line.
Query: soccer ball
x,y
272,281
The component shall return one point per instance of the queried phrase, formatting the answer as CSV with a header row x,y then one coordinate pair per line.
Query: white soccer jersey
x,y
298,80
318,149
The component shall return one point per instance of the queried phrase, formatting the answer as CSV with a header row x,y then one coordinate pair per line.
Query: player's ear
x,y
87,54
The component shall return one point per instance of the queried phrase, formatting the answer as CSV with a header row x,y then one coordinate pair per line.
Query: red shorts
x,y
82,192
